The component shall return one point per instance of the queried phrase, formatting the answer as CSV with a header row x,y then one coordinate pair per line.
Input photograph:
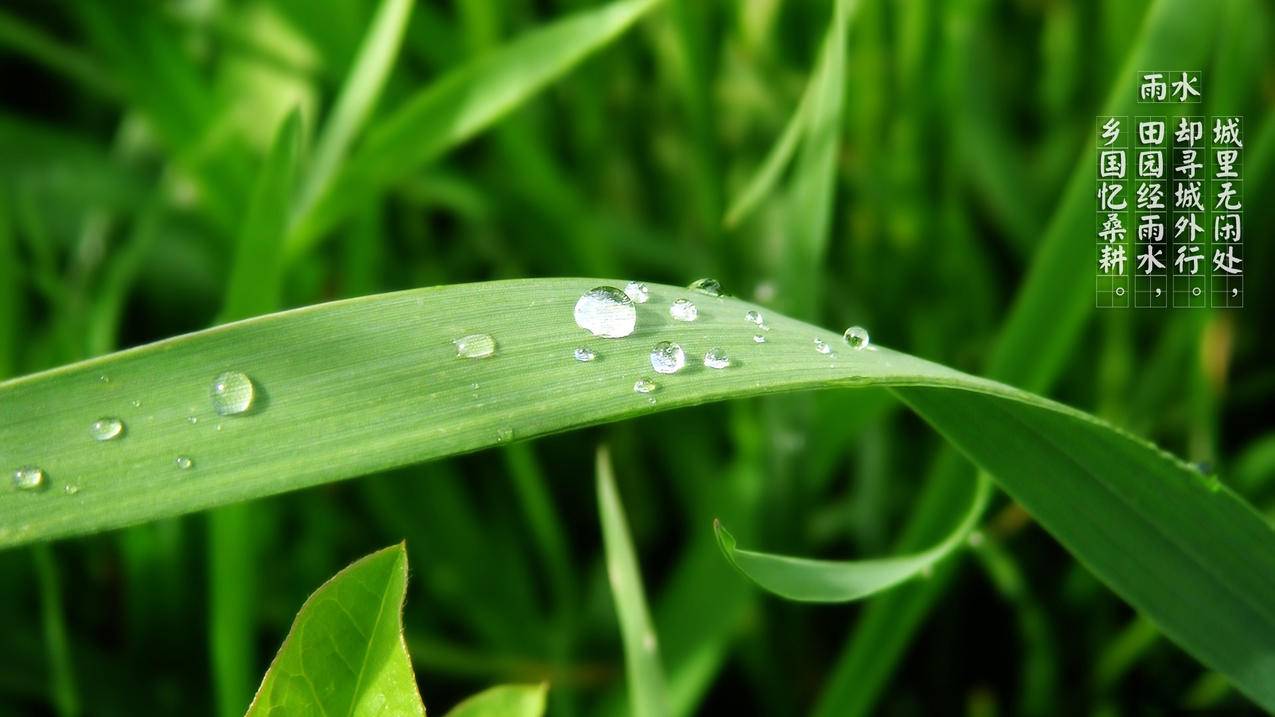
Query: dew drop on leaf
x,y
759,339
822,347
184,462
857,337
29,478
667,357
637,291
754,318
683,310
232,393
106,428
607,312
644,385
584,354
475,346
711,287
716,358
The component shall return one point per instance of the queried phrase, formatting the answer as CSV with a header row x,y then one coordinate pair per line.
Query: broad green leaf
x,y
648,695
357,99
835,581
353,387
460,105
345,653
504,701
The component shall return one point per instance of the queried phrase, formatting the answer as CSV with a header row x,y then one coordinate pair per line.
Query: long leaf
x,y
345,653
842,581
648,695
357,386
460,105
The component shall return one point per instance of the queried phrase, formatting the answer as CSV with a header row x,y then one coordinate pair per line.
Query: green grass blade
x,y
345,653
809,580
648,694
357,386
66,699
462,104
504,701
357,99
767,175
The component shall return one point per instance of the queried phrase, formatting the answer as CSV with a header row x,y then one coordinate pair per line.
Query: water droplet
x,y
70,489
136,403
716,358
504,435
651,400
584,354
857,337
759,339
607,312
822,347
475,346
29,478
637,291
644,385
667,357
683,310
219,426
192,420
106,428
754,318
104,378
712,287
232,393
184,462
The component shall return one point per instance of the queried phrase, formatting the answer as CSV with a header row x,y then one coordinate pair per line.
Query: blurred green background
x,y
131,135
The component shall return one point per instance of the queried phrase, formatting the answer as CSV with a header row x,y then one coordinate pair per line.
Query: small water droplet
x,y
651,400
136,403
29,478
474,386
184,462
711,287
70,489
192,420
857,337
667,357
716,358
104,378
644,385
219,426
475,346
106,428
759,339
607,312
232,393
754,318
585,355
504,435
637,291
683,310
822,347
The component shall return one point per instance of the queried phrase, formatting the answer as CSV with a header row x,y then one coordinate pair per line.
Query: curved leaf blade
x,y
358,386
808,580
648,693
504,701
345,653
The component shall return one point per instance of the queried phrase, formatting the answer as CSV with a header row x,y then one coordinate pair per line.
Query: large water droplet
x,y
106,428
683,310
585,354
475,346
184,462
822,347
232,393
712,287
637,291
607,312
857,337
667,357
644,385
716,358
29,478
